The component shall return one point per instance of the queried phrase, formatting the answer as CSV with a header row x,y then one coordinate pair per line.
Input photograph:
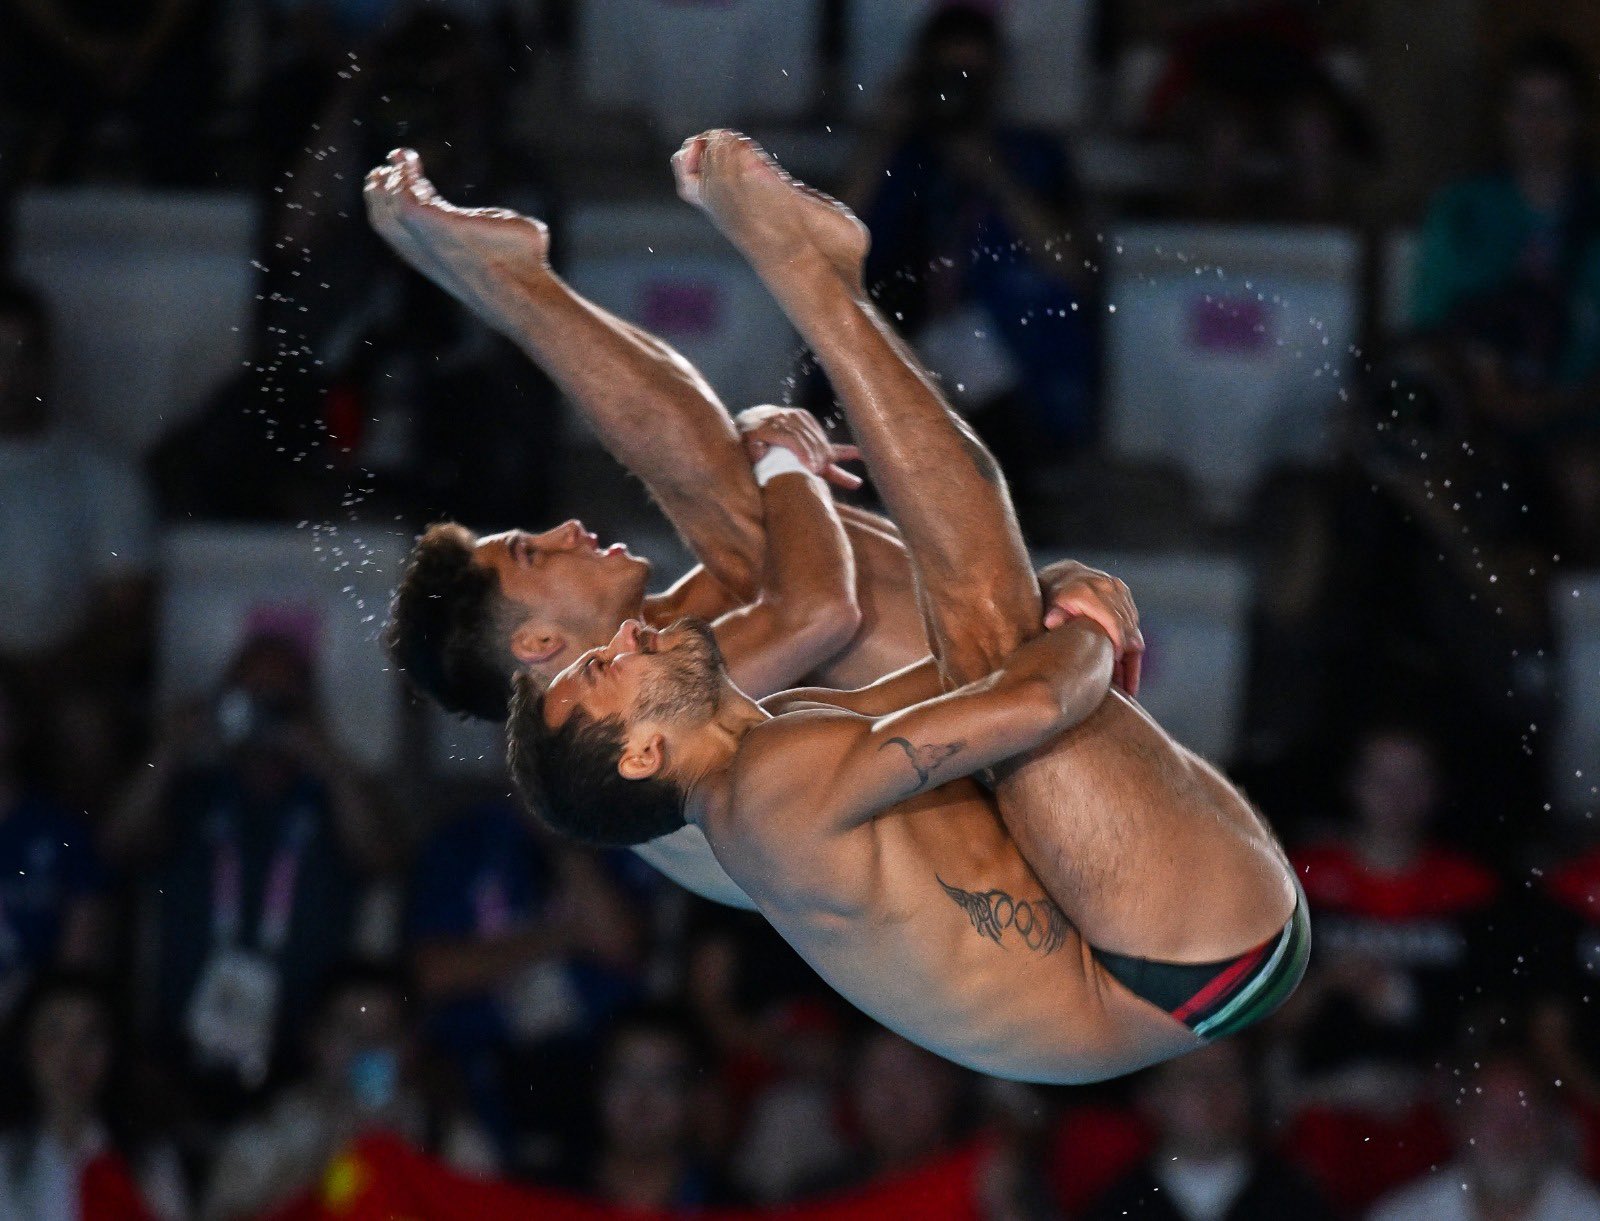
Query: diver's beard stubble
x,y
690,686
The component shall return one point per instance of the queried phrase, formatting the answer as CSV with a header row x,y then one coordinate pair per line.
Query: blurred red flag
x,y
380,1178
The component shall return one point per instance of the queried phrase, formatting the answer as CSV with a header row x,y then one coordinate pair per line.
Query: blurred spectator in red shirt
x,y
1393,912
654,1101
64,1162
1403,936
365,1078
793,1132
1208,1163
905,1103
1513,1150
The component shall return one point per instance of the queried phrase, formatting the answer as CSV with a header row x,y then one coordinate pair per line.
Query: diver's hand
x,y
1072,590
790,428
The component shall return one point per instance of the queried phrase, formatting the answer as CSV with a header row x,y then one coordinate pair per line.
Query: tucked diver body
x,y
846,830
1113,901
797,588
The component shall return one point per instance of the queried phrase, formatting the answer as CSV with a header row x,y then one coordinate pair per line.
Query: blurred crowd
x,y
227,950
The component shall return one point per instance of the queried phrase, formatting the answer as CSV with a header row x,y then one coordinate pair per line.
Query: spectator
x,y
793,1132
1395,916
977,246
1509,277
120,88
651,1098
364,1078
51,886
517,961
1513,256
63,1161
1404,935
254,836
1557,933
1509,1154
1208,1164
905,1102
1278,136
75,527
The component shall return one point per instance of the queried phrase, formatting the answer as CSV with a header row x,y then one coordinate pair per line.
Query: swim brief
x,y
1216,999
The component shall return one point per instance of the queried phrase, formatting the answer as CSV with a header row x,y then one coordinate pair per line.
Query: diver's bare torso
x,y
926,917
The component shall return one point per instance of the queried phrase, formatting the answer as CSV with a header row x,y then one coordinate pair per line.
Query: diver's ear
x,y
535,643
643,756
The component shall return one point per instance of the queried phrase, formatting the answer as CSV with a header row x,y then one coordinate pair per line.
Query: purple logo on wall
x,y
680,307
1228,324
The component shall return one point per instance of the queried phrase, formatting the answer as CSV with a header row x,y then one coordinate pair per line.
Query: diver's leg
x,y
650,407
940,484
1144,846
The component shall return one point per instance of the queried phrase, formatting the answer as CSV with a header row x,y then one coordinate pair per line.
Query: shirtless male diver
x,y
796,587
1138,906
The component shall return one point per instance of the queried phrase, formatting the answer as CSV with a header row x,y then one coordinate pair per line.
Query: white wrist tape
x,y
776,461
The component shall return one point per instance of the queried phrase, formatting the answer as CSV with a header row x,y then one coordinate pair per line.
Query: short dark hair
x,y
447,625
568,777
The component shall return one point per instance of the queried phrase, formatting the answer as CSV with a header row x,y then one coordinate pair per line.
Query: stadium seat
x,y
1575,602
663,267
329,590
1194,610
1226,348
150,295
692,64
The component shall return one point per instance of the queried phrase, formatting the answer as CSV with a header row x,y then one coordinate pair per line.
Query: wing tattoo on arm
x,y
923,759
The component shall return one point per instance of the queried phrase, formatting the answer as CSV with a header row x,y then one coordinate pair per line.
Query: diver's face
x,y
565,580
671,677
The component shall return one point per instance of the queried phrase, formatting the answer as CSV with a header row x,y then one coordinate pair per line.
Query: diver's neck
x,y
715,746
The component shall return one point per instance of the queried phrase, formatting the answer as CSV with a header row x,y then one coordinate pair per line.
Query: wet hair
x,y
447,625
568,778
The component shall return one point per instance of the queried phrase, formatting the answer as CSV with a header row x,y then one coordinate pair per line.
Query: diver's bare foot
x,y
770,217
474,254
